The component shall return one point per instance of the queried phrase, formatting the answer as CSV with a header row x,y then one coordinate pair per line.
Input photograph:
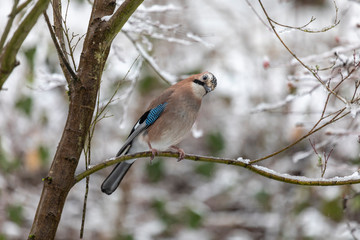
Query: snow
x,y
355,176
354,109
240,159
158,8
106,18
199,39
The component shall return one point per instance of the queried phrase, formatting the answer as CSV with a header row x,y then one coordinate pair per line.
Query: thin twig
x,y
304,29
312,71
346,198
9,23
167,78
87,164
58,49
257,15
58,27
68,39
22,6
334,119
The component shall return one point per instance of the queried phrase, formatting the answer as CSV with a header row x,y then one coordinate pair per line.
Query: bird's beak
x,y
207,89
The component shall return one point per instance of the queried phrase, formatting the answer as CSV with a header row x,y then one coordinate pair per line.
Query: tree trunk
x,y
83,94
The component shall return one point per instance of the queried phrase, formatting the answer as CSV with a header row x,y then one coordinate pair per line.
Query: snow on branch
x,y
158,8
328,54
142,24
167,77
354,178
289,98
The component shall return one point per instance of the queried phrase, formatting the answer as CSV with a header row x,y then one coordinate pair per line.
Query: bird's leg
x,y
180,151
153,151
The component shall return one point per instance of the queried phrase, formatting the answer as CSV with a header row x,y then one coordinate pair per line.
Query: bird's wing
x,y
145,121
164,97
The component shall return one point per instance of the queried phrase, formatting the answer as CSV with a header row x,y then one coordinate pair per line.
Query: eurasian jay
x,y
165,123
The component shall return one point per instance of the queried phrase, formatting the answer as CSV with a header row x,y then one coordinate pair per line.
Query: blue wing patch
x,y
154,114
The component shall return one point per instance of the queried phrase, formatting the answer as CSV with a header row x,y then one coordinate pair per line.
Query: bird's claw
x,y
181,155
154,152
180,151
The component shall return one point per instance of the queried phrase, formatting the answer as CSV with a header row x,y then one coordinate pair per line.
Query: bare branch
x,y
314,72
8,55
351,179
307,30
166,77
12,16
334,119
119,18
59,50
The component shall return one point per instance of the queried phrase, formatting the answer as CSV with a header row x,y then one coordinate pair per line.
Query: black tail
x,y
113,180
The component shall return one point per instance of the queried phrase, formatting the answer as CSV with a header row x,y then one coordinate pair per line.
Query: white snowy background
x,y
264,101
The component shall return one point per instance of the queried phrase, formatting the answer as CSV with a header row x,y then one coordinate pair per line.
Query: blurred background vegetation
x,y
248,116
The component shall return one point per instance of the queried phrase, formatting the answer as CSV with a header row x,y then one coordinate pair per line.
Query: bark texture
x,y
83,94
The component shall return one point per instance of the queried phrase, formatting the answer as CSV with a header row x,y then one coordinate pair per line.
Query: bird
x,y
165,123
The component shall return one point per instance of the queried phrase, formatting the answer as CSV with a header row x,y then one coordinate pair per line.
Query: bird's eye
x,y
205,77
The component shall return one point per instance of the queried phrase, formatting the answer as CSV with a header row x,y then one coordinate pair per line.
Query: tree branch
x,y
334,119
120,17
266,172
8,55
312,71
9,23
82,96
63,60
57,35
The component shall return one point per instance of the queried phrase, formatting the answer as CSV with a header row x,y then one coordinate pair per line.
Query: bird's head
x,y
204,82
